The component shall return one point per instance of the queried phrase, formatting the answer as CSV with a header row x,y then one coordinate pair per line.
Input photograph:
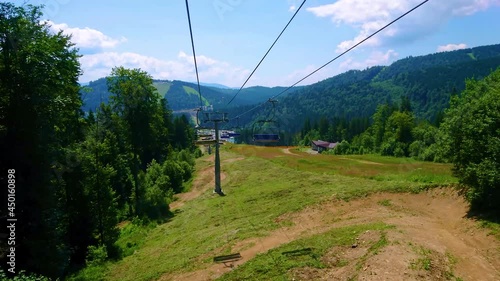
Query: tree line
x,y
467,134
78,174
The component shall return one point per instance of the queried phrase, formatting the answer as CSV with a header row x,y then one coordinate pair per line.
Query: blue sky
x,y
231,36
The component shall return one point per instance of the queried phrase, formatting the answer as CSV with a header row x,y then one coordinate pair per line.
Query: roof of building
x,y
325,144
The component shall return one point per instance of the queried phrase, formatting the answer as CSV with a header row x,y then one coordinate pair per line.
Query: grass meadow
x,y
262,184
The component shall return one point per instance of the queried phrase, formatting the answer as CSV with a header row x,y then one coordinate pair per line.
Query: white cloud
x,y
86,37
473,6
292,5
451,47
367,16
296,75
375,58
210,70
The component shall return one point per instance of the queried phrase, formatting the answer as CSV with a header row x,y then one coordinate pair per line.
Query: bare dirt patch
x,y
204,181
231,160
432,239
369,162
362,161
287,151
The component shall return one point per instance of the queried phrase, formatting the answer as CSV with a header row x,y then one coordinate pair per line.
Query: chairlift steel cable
x,y
340,55
265,55
354,46
194,53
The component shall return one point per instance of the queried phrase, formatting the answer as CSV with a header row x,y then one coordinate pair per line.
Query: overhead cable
x,y
298,9
194,53
340,55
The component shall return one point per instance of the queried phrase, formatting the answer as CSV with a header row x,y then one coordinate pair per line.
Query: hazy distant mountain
x,y
214,85
184,95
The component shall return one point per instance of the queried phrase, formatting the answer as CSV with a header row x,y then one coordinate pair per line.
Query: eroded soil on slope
x,y
432,239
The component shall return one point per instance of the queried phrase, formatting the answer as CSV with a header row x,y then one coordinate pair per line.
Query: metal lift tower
x,y
216,118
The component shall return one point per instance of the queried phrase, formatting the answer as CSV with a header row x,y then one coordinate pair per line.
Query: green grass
x,y
162,88
274,265
424,261
494,227
471,55
259,189
375,167
132,237
191,91
385,202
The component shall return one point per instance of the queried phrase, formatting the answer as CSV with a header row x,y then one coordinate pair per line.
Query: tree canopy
x,y
472,140
78,174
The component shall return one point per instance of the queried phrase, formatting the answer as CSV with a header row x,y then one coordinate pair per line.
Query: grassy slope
x,y
164,87
274,265
264,185
191,91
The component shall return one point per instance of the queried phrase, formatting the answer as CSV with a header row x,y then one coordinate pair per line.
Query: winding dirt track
x,y
434,220
204,181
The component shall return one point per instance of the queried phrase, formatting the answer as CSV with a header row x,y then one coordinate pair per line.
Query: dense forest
x,y
184,95
427,81
74,176
465,134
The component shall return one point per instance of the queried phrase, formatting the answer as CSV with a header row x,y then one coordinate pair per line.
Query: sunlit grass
x,y
275,265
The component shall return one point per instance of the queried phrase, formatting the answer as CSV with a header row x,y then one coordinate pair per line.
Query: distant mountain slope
x,y
427,80
214,85
184,95
412,64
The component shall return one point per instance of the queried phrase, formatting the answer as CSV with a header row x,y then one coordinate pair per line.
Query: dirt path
x,y
287,151
362,161
434,221
204,181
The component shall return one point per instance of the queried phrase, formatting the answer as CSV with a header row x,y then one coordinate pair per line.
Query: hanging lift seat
x,y
265,138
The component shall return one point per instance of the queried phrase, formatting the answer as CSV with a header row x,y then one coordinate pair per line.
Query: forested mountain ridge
x,y
411,64
184,95
428,81
180,95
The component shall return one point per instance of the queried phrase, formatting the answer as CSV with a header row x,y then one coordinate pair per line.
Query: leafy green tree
x,y
157,191
39,118
424,145
119,156
398,133
99,173
175,172
342,148
137,104
379,123
183,133
323,126
307,127
405,105
472,140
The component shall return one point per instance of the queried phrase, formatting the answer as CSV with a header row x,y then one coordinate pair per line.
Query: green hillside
x,y
428,81
184,95
162,87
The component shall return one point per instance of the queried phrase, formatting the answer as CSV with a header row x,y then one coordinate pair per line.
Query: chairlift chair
x,y
266,132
